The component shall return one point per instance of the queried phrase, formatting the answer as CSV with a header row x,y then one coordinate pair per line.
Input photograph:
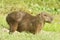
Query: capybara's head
x,y
46,17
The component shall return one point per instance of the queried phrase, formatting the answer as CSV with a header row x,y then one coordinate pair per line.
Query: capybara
x,y
22,21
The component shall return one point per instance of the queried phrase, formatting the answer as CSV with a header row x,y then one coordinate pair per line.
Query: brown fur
x,y
22,21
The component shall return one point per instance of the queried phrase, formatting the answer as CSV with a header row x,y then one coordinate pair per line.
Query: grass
x,y
55,25
3,22
43,35
35,6
50,31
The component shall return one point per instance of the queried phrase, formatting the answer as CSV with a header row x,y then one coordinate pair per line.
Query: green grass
x,y
3,22
50,31
35,6
55,25
43,35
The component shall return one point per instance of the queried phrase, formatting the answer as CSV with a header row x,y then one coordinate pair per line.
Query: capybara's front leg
x,y
38,29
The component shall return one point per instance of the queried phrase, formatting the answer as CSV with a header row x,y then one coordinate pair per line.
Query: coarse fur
x,y
22,21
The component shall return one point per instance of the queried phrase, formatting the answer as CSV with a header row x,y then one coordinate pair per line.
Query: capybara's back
x,y
14,18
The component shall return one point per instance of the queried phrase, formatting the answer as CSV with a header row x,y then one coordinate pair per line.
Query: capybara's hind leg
x,y
13,28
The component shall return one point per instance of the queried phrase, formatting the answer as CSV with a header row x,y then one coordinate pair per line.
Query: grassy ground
x,y
43,35
49,31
